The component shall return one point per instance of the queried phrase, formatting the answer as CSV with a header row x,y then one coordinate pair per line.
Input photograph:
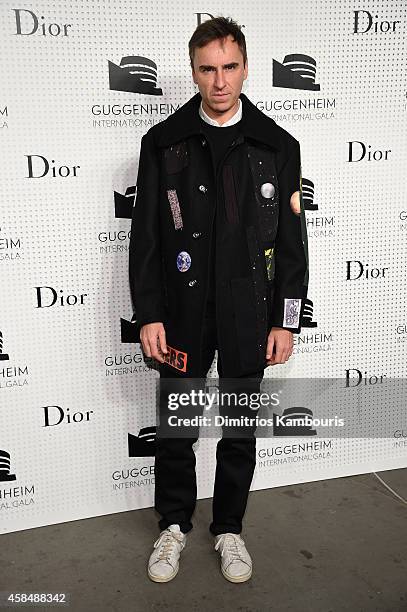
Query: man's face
x,y
219,73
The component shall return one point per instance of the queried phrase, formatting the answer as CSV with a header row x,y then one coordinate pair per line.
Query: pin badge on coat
x,y
267,190
183,261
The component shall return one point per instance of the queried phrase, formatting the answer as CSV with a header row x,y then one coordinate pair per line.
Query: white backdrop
x,y
74,390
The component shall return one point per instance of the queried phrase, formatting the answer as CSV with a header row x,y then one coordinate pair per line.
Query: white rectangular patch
x,y
292,307
175,208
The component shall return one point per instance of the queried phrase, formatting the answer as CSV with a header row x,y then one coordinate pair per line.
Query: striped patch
x,y
175,208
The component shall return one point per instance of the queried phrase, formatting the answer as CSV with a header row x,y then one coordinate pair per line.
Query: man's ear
x,y
193,75
246,68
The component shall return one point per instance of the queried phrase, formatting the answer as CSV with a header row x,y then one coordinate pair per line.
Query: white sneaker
x,y
236,563
163,563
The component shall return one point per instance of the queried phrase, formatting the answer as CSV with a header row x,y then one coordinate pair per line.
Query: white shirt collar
x,y
236,117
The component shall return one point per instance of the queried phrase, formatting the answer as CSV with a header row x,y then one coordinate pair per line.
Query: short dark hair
x,y
213,29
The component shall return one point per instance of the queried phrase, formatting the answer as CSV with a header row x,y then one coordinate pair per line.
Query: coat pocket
x,y
176,157
244,307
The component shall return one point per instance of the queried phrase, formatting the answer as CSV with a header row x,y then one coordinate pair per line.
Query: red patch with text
x,y
176,359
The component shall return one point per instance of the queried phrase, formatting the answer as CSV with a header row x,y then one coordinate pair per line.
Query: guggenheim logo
x,y
142,445
297,71
135,74
3,356
5,467
124,203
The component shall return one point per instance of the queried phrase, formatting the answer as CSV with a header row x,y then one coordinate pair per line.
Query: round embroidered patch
x,y
183,261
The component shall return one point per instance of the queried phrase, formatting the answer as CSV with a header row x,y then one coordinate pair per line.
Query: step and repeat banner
x,y
77,398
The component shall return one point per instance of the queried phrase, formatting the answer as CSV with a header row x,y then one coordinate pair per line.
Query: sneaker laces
x,y
167,541
232,542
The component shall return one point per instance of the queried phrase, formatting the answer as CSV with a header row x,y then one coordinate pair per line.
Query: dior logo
x,y
356,269
363,22
199,18
200,15
47,297
44,167
32,25
55,415
358,378
356,147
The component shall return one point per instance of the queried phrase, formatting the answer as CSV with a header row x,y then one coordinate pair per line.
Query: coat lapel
x,y
185,122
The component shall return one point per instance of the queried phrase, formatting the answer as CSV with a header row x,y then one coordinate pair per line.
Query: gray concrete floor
x,y
323,546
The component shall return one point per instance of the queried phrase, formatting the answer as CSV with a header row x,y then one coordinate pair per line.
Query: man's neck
x,y
231,120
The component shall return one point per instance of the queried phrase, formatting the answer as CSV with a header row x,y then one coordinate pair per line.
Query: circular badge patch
x,y
267,190
183,261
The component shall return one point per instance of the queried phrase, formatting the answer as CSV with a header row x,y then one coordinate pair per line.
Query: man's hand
x,y
281,340
152,336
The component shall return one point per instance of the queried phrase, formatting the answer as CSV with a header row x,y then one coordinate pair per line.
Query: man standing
x,y
217,261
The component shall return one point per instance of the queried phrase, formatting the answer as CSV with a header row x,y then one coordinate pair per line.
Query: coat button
x,y
196,234
203,188
203,142
192,282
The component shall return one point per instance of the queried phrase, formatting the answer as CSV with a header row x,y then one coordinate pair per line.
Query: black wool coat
x,y
260,244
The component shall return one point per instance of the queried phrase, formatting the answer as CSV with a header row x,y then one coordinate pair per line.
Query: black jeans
x,y
175,461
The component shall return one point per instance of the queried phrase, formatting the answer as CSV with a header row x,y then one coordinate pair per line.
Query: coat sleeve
x,y
290,250
145,267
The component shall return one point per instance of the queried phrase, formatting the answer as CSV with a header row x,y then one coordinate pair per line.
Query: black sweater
x,y
219,139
